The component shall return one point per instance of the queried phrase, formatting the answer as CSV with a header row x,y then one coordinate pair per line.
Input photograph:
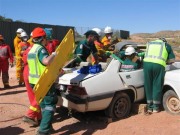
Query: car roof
x,y
120,45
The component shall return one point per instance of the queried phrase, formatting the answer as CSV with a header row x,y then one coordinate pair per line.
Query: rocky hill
x,y
173,37
166,34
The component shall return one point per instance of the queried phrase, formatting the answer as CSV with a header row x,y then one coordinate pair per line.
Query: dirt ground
x,y
14,103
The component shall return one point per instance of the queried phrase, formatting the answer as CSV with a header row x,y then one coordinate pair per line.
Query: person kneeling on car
x,y
129,64
86,47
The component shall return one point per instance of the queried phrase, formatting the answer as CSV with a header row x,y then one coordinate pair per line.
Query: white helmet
x,y
129,50
108,30
24,34
31,34
19,30
98,31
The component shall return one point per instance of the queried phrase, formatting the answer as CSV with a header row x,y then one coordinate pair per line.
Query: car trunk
x,y
74,78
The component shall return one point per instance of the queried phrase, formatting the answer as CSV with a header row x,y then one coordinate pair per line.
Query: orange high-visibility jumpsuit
x,y
30,41
51,45
34,111
101,52
106,42
5,54
19,70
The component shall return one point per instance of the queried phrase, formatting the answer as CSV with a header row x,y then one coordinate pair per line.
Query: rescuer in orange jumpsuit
x,y
109,40
33,115
18,57
30,39
5,54
99,46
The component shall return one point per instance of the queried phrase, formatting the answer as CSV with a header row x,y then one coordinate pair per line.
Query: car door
x,y
136,79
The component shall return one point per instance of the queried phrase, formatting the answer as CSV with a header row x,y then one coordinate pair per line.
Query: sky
x,y
136,16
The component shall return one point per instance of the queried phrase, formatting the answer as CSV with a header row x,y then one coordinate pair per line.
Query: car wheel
x,y
119,107
171,102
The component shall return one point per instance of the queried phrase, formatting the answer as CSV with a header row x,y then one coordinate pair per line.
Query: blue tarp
x,y
90,69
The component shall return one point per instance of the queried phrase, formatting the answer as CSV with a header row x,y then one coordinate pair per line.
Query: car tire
x,y
119,107
171,102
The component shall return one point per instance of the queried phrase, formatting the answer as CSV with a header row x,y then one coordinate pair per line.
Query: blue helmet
x,y
48,33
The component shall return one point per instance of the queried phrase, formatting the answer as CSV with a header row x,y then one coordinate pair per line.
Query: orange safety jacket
x,y
106,42
17,40
99,47
22,46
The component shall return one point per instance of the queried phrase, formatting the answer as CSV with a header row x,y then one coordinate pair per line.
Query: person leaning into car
x,y
87,47
158,52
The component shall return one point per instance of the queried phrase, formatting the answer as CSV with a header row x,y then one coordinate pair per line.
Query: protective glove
x,y
54,53
141,54
108,53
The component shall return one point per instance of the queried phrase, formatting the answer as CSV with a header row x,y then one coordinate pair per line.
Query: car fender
x,y
172,79
131,92
173,86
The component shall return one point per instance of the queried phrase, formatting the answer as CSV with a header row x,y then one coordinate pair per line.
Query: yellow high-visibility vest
x,y
35,67
156,52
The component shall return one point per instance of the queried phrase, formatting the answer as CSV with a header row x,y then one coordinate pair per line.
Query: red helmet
x,y
1,37
38,32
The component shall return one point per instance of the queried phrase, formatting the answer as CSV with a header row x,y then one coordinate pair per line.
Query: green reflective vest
x,y
156,52
35,67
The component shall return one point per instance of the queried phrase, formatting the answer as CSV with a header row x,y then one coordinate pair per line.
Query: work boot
x,y
21,84
52,130
45,133
156,110
148,112
7,86
41,133
30,121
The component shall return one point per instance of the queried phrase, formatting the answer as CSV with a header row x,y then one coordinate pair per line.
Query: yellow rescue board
x,y
52,71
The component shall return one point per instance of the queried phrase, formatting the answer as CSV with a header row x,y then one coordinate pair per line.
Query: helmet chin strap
x,y
37,40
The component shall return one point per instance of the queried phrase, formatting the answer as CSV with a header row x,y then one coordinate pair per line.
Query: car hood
x,y
173,75
73,78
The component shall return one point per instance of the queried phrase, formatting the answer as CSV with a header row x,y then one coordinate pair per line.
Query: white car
x,y
171,89
109,90
112,90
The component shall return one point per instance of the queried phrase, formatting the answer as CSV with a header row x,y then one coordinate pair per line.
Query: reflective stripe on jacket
x,y
34,109
35,67
156,52
5,53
